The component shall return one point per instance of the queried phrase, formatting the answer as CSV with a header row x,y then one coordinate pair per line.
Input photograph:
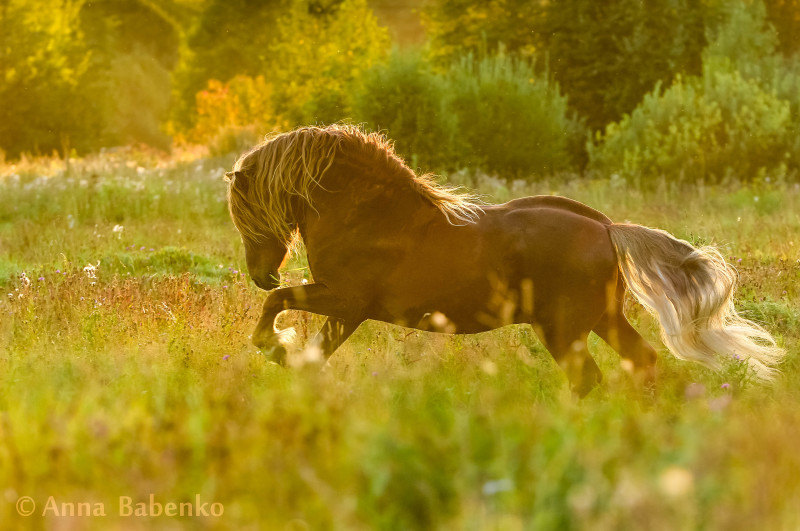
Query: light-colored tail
x,y
690,291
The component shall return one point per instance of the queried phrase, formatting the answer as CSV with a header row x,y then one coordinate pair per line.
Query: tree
x,y
456,27
784,15
134,47
607,55
322,50
45,91
229,38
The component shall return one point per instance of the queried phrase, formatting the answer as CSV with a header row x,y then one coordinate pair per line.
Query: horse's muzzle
x,y
266,283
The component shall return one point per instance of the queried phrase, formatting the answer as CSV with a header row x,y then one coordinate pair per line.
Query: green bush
x,y
745,40
407,100
512,120
495,113
701,129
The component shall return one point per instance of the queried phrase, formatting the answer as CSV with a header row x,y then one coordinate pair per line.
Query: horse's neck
x,y
370,189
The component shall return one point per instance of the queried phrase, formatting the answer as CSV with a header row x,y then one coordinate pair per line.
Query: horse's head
x,y
265,250
264,258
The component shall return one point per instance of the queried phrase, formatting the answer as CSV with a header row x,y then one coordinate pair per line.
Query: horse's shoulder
x,y
558,203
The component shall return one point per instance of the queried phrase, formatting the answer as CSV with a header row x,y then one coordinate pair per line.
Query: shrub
x,y
141,88
512,120
240,108
700,129
746,40
407,100
784,15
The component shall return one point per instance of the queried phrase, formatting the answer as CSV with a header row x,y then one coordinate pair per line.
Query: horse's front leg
x,y
314,298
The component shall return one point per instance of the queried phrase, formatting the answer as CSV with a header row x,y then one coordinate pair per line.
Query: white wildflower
x,y
490,488
91,271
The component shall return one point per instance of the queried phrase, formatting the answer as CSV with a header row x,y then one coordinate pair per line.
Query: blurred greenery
x,y
519,89
126,370
125,311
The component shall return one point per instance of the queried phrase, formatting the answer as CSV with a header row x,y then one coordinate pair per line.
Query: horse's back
x,y
560,203
552,237
563,249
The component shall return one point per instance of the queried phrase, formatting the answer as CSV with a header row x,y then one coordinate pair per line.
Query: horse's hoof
x,y
276,354
287,336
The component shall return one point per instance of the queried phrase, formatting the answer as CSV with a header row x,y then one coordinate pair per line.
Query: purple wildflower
x,y
226,356
725,386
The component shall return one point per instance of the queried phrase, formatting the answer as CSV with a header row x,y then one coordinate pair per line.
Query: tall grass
x,y
135,376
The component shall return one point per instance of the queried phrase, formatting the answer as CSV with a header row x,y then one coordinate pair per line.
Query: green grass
x,y
138,378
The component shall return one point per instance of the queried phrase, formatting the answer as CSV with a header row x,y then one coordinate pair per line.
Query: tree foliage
x,y
701,129
229,38
784,15
321,53
134,47
456,27
605,55
45,91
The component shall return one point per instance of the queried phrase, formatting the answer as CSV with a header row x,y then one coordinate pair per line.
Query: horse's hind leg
x,y
615,330
572,354
333,333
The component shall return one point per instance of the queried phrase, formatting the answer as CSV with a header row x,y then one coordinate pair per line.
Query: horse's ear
x,y
237,178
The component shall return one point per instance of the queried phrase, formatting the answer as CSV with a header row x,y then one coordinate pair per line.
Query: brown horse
x,y
386,244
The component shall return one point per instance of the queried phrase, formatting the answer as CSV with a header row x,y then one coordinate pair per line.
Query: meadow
x,y
126,370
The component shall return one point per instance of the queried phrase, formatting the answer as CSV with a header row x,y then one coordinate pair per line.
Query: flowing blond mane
x,y
289,166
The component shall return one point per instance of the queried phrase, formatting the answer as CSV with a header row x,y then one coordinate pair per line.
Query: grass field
x,y
126,371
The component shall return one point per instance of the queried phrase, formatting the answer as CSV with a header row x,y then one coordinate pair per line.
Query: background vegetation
x,y
125,309
682,90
